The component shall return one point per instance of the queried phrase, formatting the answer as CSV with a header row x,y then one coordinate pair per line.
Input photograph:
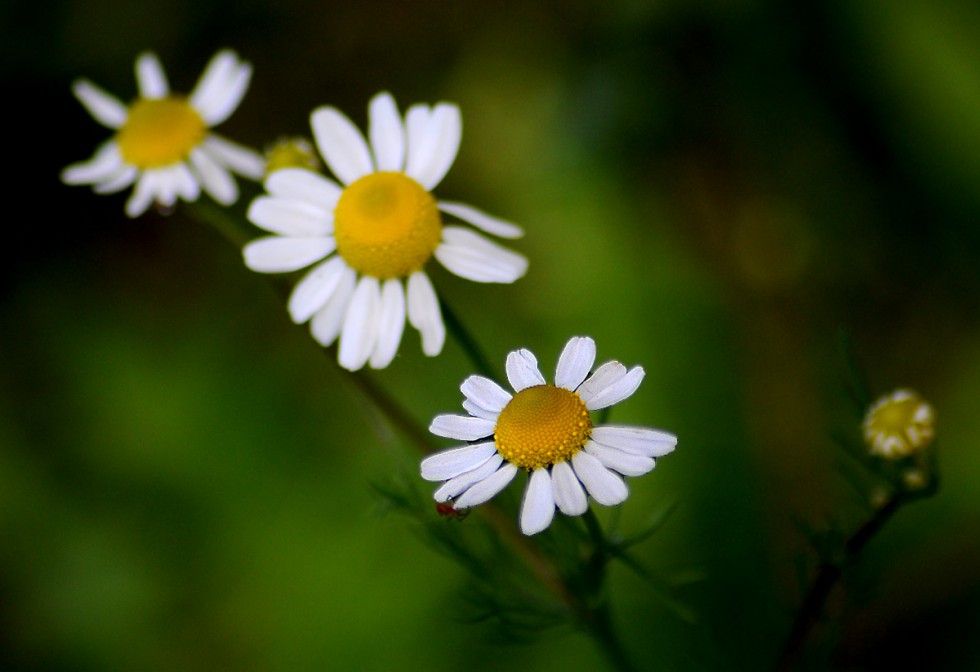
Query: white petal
x,y
104,164
434,151
143,194
392,323
122,179
604,486
104,107
481,220
242,160
478,411
454,486
538,505
487,488
221,88
166,186
386,132
187,185
613,393
575,362
451,463
360,330
341,144
304,185
522,370
569,495
625,463
461,427
636,440
275,254
416,123
327,322
215,178
315,289
424,313
485,393
290,217
471,256
150,78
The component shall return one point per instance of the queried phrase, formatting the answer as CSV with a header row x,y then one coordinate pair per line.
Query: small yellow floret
x,y
542,425
899,424
386,225
160,132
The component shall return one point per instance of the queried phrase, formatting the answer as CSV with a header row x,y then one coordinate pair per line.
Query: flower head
x,y
547,431
898,425
163,143
370,234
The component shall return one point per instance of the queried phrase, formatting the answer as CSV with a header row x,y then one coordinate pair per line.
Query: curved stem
x,y
467,342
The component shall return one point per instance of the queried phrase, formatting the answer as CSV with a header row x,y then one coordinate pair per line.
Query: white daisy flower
x,y
547,431
899,424
371,233
162,141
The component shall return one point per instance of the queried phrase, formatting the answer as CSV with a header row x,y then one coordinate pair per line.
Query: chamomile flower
x,y
369,234
547,431
163,143
899,424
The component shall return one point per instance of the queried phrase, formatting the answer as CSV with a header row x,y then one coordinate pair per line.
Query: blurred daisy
x,y
547,431
162,141
899,424
371,233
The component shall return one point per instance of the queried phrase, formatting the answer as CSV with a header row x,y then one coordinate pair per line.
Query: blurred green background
x,y
714,190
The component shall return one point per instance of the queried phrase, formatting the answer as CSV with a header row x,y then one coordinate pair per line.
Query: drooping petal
x,y
221,88
628,464
487,488
327,322
143,194
485,393
315,289
616,391
341,144
360,331
187,186
166,189
604,486
522,370
290,217
103,106
451,463
386,132
454,486
435,147
481,220
276,254
636,440
569,494
104,164
215,178
538,505
461,427
239,158
150,77
469,255
575,362
424,313
119,181
391,325
304,185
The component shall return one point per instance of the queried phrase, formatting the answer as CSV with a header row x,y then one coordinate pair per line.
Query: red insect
x,y
447,510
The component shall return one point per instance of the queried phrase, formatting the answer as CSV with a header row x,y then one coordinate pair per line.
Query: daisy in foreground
x,y
547,431
162,142
371,232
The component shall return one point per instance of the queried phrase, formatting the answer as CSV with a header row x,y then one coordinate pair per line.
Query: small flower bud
x,y
898,425
291,153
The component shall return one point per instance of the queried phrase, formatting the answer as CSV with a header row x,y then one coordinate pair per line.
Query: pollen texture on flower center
x,y
542,425
160,132
386,225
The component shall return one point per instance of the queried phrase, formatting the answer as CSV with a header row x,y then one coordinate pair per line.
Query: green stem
x,y
467,342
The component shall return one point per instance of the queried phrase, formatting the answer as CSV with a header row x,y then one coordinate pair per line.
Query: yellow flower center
x,y
386,225
542,425
160,132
